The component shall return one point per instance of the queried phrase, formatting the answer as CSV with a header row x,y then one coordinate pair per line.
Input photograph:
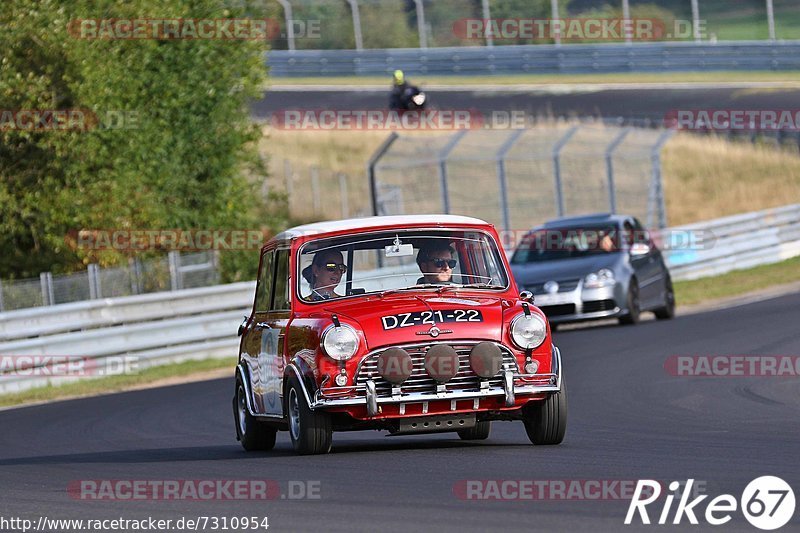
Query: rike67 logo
x,y
767,502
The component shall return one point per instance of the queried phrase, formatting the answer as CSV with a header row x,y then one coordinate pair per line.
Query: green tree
x,y
186,157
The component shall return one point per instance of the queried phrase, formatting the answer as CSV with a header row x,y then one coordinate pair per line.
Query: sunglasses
x,y
333,267
441,263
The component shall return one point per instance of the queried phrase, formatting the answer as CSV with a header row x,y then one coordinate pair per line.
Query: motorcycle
x,y
411,99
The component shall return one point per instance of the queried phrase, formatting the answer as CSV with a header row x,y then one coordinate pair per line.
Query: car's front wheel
x,y
479,432
546,420
667,311
311,431
634,309
254,435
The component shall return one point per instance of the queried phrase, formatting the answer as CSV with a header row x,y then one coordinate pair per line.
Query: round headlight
x,y
340,343
528,331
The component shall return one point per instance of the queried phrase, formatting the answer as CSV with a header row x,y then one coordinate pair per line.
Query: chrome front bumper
x,y
372,400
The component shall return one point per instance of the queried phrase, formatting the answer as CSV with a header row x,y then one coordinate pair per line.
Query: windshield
x,y
565,243
397,261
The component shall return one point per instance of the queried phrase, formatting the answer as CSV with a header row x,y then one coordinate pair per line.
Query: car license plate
x,y
552,299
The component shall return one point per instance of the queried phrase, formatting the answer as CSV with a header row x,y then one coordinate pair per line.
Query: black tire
x,y
479,432
310,430
546,421
254,435
668,310
634,306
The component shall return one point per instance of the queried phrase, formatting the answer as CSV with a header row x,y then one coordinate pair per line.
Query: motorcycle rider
x,y
399,86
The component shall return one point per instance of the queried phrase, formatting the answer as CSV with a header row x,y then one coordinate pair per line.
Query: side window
x,y
280,300
264,289
642,236
628,233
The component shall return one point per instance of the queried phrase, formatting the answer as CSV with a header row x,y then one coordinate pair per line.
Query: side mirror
x,y
241,326
639,249
526,296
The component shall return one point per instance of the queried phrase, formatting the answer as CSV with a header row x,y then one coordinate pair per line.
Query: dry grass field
x,y
704,177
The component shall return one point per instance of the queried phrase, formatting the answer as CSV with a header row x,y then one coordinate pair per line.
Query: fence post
x,y
626,17
612,189
557,168
287,11
343,193
92,275
443,169
487,17
656,187
371,164
696,21
771,20
48,297
553,24
315,200
423,37
356,24
174,270
2,305
501,175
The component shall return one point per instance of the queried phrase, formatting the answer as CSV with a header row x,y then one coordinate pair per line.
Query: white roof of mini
x,y
375,222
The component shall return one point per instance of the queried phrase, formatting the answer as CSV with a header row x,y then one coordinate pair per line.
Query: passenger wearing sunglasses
x,y
435,260
324,274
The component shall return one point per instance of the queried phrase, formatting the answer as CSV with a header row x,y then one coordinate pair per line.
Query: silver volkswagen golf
x,y
592,267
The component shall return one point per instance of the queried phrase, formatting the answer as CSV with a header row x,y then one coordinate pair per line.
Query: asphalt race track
x,y
629,419
637,103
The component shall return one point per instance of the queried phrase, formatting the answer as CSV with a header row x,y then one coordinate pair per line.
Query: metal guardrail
x,y
540,59
148,330
737,242
201,323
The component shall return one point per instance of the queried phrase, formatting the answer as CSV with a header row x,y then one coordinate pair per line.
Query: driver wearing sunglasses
x,y
435,260
324,274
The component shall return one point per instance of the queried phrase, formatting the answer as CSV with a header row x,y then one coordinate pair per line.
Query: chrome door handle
x,y
262,325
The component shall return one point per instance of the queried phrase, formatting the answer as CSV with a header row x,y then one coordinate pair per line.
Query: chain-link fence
x,y
373,24
316,193
519,178
173,272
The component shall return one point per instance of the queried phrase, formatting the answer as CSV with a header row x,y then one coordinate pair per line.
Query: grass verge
x,y
119,383
791,77
737,282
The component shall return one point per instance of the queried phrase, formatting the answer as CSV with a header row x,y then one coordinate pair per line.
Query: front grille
x,y
563,286
420,381
558,310
599,305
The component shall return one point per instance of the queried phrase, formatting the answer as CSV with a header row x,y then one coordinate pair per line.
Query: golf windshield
x,y
398,261
564,243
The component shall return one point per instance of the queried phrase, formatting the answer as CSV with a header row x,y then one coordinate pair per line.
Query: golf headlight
x,y
340,343
602,278
528,331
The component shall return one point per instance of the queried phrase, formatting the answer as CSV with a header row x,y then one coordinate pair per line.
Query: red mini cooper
x,y
409,324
